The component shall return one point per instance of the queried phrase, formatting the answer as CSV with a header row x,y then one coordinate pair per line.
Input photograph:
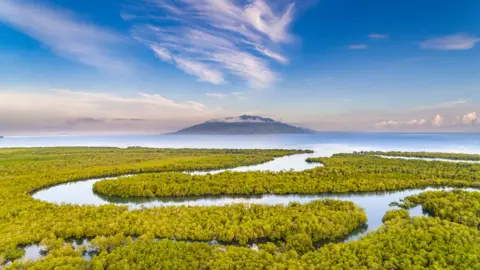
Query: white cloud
x,y
65,35
443,105
161,53
358,47
202,71
199,69
252,21
66,111
415,122
223,35
216,95
280,58
470,118
236,95
259,15
396,124
378,36
438,120
247,66
387,124
454,42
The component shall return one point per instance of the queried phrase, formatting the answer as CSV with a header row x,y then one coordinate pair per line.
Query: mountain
x,y
243,125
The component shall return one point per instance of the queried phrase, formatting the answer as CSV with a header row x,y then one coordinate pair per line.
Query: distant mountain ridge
x,y
243,125
243,119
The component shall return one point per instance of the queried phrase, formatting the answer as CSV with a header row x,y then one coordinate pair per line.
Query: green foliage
x,y
419,243
341,173
300,242
395,214
64,258
458,206
452,156
268,247
24,220
402,243
103,243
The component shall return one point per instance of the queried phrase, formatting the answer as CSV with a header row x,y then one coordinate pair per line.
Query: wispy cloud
x,y
221,36
64,34
199,69
358,47
216,95
237,95
73,111
280,58
443,105
460,41
377,36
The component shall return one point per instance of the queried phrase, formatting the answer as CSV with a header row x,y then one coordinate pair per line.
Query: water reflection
x,y
375,204
82,192
36,251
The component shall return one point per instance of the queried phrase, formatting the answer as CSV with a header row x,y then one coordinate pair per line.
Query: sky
x,y
155,66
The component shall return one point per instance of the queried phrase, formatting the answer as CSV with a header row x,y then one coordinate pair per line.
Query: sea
x,y
325,143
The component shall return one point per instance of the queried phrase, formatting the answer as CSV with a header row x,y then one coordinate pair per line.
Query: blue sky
x,y
158,65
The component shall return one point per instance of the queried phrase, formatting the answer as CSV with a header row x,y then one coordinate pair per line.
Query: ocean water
x,y
327,142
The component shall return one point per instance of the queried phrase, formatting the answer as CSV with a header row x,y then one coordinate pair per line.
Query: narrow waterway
x,y
375,204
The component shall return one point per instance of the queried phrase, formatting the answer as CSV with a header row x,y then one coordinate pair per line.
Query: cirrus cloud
x,y
220,38
377,36
358,47
457,42
65,35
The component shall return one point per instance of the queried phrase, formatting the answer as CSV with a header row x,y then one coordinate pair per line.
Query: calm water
x,y
374,204
324,144
82,193
328,142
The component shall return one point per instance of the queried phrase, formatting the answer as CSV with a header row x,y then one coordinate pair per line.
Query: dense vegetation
x,y
453,156
393,215
287,233
418,243
458,206
22,171
341,173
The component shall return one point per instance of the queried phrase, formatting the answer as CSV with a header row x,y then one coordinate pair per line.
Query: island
x,y
243,125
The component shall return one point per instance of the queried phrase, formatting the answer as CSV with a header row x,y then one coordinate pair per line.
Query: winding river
x,y
375,204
